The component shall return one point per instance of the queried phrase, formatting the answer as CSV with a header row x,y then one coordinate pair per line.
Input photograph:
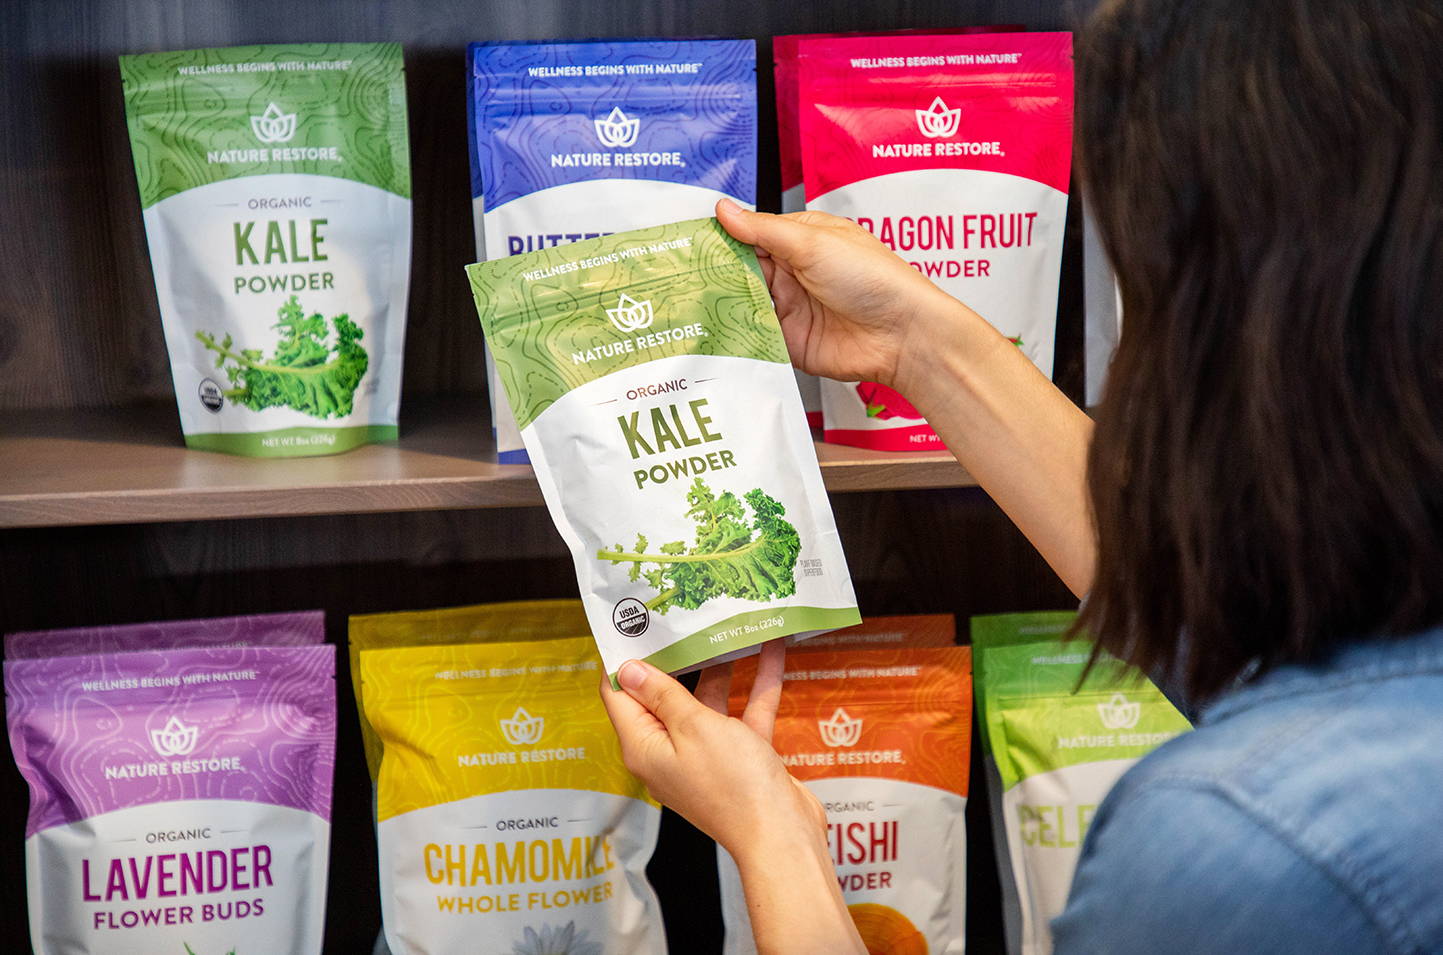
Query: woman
x,y
1257,520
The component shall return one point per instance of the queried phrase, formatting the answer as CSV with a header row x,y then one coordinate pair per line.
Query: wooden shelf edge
x,y
126,466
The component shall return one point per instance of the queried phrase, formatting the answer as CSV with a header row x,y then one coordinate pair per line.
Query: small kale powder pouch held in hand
x,y
651,383
276,188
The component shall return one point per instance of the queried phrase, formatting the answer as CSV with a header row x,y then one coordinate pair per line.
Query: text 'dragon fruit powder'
x,y
955,152
654,393
506,821
570,141
180,798
276,188
882,738
1053,751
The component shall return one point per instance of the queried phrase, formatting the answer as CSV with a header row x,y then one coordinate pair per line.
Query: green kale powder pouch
x,y
276,188
655,398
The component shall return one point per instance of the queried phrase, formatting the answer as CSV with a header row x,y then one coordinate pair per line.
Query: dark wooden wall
x,y
79,328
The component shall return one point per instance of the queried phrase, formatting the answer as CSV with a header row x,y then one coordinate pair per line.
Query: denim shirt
x,y
1304,814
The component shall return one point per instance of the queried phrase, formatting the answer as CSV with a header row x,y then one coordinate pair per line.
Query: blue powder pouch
x,y
571,141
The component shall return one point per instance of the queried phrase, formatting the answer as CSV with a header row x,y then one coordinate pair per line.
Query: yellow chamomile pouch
x,y
506,821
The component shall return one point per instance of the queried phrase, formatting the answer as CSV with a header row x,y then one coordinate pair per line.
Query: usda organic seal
x,y
630,617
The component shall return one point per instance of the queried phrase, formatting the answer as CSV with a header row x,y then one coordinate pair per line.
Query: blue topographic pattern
x,y
545,114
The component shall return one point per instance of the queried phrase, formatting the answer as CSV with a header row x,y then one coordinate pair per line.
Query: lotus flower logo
x,y
937,121
1119,714
273,126
629,314
617,129
523,729
173,739
840,730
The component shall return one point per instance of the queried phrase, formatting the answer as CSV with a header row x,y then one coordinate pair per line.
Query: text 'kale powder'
x,y
657,403
276,188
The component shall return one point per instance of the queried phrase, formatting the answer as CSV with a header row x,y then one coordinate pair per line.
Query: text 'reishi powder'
x,y
654,393
571,141
955,151
882,738
505,817
1053,751
276,188
180,797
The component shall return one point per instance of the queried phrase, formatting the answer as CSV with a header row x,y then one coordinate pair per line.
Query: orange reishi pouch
x,y
882,737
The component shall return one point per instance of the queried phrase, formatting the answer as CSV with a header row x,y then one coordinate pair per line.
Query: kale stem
x,y
210,343
621,555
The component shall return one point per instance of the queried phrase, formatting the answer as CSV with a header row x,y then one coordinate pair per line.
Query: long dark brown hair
x,y
1267,470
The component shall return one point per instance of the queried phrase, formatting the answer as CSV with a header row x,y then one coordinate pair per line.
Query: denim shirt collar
x,y
1364,661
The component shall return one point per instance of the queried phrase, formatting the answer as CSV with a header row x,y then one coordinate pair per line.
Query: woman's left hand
x,y
723,776
720,773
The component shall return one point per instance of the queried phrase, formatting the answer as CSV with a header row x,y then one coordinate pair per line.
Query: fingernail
x,y
631,675
729,205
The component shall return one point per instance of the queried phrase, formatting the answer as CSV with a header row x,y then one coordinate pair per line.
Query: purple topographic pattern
x,y
261,630
93,734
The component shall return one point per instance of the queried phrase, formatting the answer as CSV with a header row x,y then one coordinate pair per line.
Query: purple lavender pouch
x,y
180,799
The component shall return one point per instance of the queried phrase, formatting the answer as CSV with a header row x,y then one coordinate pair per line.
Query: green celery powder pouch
x,y
275,184
1052,750
657,403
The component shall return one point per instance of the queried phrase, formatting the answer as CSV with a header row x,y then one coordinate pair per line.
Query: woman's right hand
x,y
850,308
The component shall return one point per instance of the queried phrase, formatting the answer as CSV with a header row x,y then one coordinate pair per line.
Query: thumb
x,y
659,693
785,238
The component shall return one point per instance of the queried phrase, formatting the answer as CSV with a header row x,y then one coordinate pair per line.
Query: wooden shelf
x,y
98,466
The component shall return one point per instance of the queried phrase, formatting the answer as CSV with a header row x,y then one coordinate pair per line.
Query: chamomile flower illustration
x,y
556,940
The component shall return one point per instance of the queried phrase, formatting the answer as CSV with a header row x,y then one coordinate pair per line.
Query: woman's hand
x,y
723,776
851,309
720,773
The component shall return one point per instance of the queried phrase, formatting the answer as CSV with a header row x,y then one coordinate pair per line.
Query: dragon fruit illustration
x,y
884,403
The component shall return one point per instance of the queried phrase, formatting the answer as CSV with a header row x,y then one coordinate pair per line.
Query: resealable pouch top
x,y
1052,751
654,393
516,621
575,140
275,184
955,151
908,631
180,797
506,820
882,738
299,629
